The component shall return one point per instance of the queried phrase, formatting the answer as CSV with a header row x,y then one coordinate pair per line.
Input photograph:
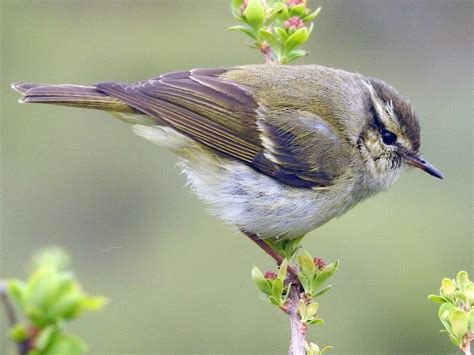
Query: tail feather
x,y
71,95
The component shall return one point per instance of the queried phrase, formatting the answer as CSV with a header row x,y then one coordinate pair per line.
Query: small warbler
x,y
275,150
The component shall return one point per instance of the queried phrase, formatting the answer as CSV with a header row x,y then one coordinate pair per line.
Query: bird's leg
x,y
269,250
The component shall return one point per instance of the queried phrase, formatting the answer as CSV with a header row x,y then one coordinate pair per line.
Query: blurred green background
x,y
81,180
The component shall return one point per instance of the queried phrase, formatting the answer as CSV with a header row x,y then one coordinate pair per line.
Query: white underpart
x,y
244,197
162,136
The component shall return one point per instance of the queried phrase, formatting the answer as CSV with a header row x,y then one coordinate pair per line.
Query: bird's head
x,y
390,138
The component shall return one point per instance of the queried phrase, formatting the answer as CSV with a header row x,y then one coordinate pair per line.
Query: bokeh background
x,y
178,279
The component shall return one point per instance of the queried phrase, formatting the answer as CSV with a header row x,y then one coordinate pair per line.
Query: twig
x,y
270,57
466,346
7,306
22,347
297,330
269,250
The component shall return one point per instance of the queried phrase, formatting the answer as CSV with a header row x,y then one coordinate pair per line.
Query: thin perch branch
x,y
466,346
297,329
7,306
269,250
270,57
22,347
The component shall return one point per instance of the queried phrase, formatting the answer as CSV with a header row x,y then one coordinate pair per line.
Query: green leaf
x,y
281,32
325,274
316,321
448,288
18,333
36,315
41,285
326,348
16,290
462,279
277,289
454,340
297,10
312,309
295,54
292,245
249,32
305,282
322,291
94,303
311,16
307,265
68,307
52,257
271,40
254,14
437,299
460,296
278,10
311,348
301,309
469,292
283,270
296,39
444,310
458,320
236,6
61,293
260,281
275,301
447,326
470,318
66,344
44,337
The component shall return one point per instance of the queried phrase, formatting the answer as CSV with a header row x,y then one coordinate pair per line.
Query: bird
x,y
276,150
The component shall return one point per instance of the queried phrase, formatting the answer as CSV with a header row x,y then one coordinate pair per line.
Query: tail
x,y
71,95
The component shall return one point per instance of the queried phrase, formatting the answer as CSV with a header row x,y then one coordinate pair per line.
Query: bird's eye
x,y
388,137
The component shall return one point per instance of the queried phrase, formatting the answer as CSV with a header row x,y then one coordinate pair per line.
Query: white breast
x,y
244,197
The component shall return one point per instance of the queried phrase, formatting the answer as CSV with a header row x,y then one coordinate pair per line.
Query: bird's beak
x,y
418,162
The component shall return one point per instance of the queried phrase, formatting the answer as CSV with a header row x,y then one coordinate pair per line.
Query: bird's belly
x,y
240,195
260,204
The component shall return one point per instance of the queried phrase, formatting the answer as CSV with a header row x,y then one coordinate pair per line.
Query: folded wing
x,y
298,149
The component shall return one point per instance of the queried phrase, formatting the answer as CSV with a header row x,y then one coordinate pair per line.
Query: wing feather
x,y
224,116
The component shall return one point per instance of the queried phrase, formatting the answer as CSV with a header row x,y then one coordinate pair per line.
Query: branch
x,y
7,306
456,310
297,328
278,27
22,347
269,250
466,346
54,293
293,288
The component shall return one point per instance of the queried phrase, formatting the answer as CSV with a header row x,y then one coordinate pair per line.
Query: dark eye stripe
x,y
376,118
389,138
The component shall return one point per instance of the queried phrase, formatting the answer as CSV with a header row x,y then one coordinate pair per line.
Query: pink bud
x,y
270,275
265,48
291,3
303,329
244,6
293,23
320,263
